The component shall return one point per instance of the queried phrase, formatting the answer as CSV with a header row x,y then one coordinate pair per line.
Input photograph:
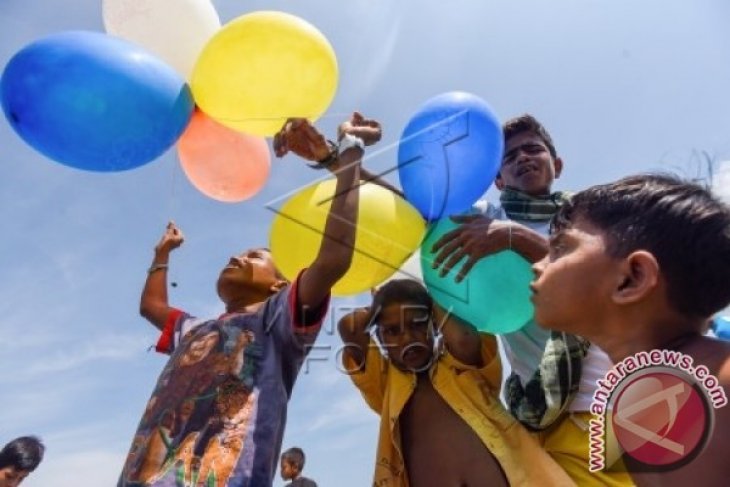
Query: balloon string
x,y
173,188
173,205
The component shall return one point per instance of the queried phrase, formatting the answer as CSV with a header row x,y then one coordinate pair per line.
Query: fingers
x,y
466,268
446,238
453,260
372,123
280,146
174,230
369,122
360,121
372,134
450,248
294,123
311,133
282,139
465,218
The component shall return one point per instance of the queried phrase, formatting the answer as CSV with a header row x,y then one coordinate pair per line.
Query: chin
x,y
554,325
544,321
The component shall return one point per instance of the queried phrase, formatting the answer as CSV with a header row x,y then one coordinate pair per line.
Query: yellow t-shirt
x,y
470,391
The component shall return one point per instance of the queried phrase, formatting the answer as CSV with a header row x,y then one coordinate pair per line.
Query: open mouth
x,y
526,169
415,354
234,264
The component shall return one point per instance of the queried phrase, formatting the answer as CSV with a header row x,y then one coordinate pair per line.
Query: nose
x,y
238,260
522,153
539,266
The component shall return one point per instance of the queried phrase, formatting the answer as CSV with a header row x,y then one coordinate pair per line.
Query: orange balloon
x,y
221,163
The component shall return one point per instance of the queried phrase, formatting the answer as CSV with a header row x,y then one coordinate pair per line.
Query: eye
x,y
557,246
533,148
508,159
390,331
557,249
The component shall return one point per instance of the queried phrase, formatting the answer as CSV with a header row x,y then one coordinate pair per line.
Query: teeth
x,y
526,170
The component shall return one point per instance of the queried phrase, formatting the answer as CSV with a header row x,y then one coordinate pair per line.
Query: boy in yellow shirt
x,y
442,422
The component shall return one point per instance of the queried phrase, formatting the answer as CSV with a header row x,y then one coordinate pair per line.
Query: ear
x,y
498,182
638,278
278,286
558,164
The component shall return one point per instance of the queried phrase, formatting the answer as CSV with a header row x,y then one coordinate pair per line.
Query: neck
x,y
539,194
631,338
244,306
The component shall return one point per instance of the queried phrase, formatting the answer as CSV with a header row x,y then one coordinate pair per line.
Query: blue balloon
x,y
449,154
94,102
721,327
495,294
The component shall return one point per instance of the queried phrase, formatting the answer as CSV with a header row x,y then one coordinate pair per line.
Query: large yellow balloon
x,y
263,68
388,230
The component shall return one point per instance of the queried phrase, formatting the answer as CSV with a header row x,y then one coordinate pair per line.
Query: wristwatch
x,y
348,141
327,161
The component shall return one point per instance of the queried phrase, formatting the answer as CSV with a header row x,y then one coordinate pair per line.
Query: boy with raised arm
x,y
218,412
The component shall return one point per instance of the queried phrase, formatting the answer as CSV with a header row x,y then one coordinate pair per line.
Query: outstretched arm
x,y
153,303
338,241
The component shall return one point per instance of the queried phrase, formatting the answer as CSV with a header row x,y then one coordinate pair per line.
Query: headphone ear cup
x,y
438,340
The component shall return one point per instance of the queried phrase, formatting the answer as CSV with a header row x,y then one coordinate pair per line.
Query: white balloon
x,y
175,30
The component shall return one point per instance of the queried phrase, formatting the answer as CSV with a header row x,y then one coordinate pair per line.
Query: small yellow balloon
x,y
262,68
388,231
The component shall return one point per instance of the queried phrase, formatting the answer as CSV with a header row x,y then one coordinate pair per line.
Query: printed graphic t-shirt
x,y
218,411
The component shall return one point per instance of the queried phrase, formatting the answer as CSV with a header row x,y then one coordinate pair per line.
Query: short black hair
x,y
295,456
24,454
528,123
403,291
679,222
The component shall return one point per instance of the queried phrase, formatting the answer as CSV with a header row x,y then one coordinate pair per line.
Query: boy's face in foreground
x,y
405,332
527,165
251,271
9,477
574,282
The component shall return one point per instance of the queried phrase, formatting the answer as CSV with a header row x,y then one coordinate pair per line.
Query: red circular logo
x,y
661,417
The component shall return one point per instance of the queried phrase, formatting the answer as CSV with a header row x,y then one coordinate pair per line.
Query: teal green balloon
x,y
495,294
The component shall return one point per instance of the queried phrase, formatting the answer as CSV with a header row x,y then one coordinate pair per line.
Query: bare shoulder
x,y
713,354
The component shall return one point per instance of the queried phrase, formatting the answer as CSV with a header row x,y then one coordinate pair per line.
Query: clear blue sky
x,y
623,85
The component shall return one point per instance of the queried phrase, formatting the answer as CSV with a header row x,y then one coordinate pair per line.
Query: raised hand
x,y
171,239
299,136
476,238
367,129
